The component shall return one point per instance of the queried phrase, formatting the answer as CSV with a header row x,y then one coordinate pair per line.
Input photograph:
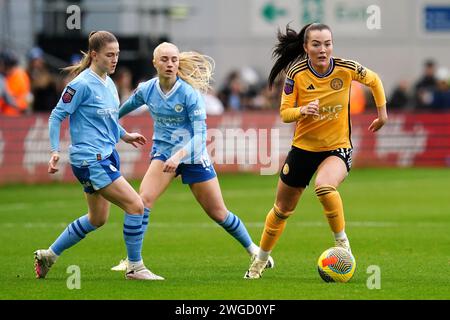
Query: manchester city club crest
x,y
178,108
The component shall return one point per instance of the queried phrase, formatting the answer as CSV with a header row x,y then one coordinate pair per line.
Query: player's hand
x,y
134,139
311,108
53,162
376,124
172,163
380,121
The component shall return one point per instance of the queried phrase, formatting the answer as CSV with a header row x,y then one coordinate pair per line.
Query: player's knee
x,y
136,207
323,189
324,180
217,213
283,210
98,221
147,199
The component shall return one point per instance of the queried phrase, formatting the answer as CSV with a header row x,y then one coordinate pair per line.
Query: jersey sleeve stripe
x,y
293,71
295,68
345,66
346,62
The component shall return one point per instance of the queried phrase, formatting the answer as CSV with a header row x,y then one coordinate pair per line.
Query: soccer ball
x,y
336,265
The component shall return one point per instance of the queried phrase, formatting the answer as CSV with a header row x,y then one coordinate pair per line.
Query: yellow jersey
x,y
331,129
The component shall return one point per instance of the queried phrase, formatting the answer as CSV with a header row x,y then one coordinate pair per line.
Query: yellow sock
x,y
273,228
332,206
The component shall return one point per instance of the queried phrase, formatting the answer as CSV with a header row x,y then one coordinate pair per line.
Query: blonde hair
x,y
97,40
194,68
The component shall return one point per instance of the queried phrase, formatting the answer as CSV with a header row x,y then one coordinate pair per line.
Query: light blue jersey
x,y
178,119
92,105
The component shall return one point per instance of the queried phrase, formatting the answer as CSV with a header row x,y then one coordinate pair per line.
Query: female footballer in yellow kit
x,y
316,96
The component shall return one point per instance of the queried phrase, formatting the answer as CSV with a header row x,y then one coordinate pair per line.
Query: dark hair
x,y
429,63
9,58
97,40
289,48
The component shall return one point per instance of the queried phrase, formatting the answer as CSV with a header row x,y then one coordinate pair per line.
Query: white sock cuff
x,y
340,235
252,249
263,255
52,253
135,263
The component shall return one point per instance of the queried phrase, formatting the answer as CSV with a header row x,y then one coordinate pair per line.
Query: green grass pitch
x,y
397,220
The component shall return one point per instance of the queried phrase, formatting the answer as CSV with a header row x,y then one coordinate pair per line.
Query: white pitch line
x,y
32,205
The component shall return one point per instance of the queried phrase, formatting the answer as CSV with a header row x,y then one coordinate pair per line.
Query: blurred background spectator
x,y
233,92
441,94
17,84
213,105
5,96
425,86
357,98
43,83
268,98
400,98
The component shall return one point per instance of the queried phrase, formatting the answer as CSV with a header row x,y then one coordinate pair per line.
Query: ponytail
x,y
79,67
196,69
289,48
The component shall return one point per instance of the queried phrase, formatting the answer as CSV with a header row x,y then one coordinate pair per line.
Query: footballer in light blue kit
x,y
178,123
179,140
91,102
93,106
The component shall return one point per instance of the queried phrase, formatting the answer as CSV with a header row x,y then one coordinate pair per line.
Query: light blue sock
x,y
132,233
234,226
74,233
145,220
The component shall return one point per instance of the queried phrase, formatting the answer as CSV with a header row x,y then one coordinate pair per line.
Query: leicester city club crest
x,y
336,83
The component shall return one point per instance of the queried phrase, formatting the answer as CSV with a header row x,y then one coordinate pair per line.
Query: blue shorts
x,y
191,173
99,174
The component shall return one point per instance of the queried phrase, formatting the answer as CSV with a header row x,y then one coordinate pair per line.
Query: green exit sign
x,y
271,12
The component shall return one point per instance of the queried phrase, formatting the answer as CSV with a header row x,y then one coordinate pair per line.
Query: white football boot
x,y
256,269
343,243
122,266
270,263
140,272
43,260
